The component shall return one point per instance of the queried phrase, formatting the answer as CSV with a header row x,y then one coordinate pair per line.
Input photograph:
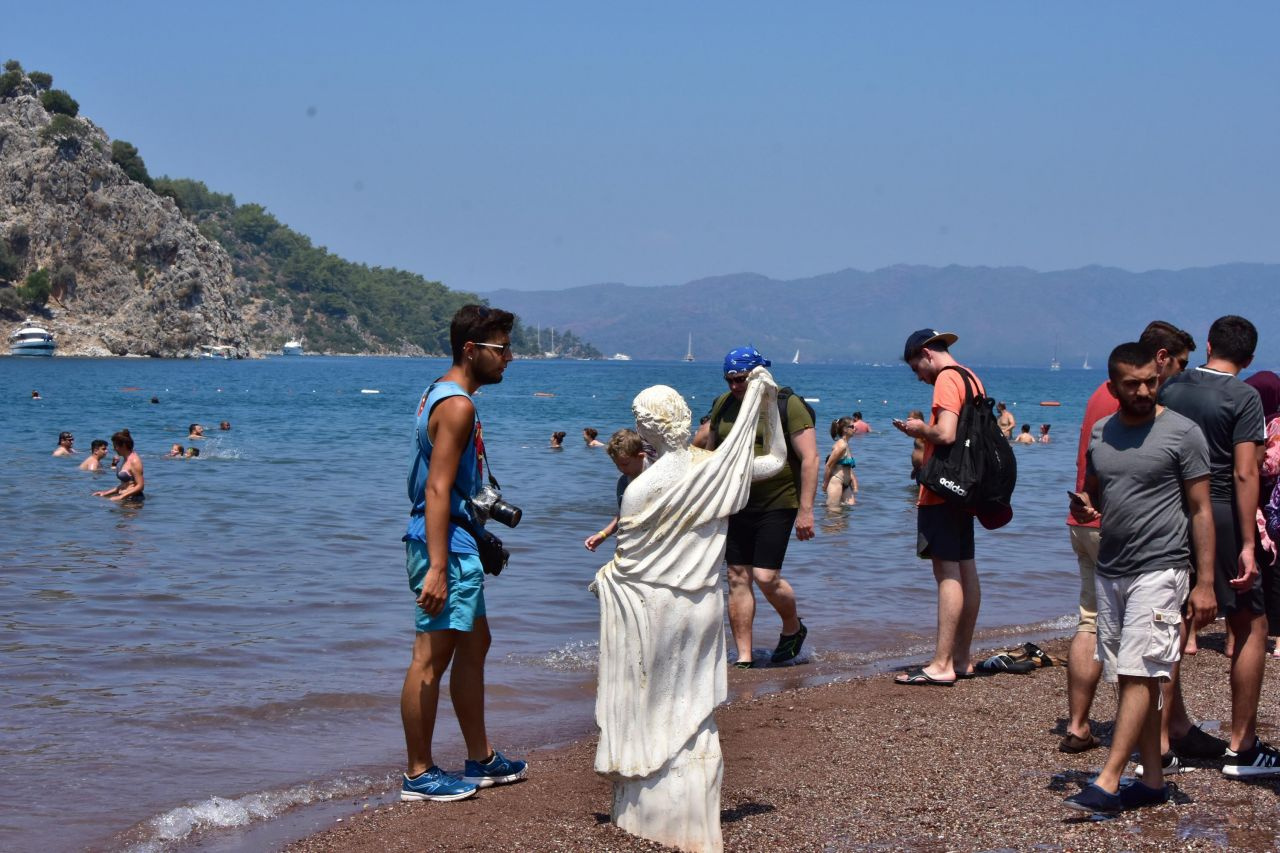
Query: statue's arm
x,y
763,467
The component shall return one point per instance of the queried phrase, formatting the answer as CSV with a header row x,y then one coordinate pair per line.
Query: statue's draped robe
x,y
662,652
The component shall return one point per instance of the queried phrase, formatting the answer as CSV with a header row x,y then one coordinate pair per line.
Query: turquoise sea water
x,y
234,648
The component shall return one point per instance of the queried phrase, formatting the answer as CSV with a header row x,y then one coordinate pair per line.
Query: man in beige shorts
x,y
1142,463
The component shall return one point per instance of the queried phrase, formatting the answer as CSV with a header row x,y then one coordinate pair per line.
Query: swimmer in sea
x,y
557,440
838,479
174,452
1025,437
192,453
66,445
129,473
589,436
1044,433
97,452
195,431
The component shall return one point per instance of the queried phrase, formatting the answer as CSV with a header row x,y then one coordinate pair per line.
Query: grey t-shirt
x,y
1140,471
1228,412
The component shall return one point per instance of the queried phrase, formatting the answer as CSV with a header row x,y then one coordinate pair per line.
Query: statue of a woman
x,y
662,652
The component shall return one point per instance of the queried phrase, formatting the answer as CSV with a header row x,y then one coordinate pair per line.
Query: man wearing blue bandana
x,y
758,535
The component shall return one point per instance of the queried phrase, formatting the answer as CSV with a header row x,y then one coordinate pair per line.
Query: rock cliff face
x,y
131,276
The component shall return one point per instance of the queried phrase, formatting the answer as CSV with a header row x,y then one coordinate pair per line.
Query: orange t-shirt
x,y
948,394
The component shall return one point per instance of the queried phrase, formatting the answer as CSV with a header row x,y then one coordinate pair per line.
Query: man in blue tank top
x,y
444,568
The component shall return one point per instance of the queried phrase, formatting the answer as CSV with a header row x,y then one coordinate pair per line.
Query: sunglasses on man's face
x,y
735,378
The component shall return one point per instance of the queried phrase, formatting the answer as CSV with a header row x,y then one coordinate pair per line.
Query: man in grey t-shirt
x,y
1229,412
1141,464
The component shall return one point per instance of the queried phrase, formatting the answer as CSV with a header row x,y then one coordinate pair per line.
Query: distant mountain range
x,y
1003,315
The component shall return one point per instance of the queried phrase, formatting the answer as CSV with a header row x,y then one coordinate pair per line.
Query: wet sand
x,y
866,764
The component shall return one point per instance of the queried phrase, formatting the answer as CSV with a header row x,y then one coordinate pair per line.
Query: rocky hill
x,y
123,270
116,263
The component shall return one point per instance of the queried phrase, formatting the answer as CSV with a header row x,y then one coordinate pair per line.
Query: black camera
x,y
488,503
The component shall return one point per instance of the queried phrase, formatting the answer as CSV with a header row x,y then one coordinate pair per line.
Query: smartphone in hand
x,y
1076,500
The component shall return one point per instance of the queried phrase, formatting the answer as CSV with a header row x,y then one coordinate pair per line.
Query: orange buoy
x,y
1050,403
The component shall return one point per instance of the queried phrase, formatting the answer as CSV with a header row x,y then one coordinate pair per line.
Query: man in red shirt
x,y
1173,348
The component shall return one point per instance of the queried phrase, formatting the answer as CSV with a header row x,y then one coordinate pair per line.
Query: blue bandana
x,y
744,359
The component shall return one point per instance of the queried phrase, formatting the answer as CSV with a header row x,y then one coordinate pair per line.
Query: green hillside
x,y
334,304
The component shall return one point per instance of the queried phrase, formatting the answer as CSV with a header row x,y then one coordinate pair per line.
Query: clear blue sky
x,y
548,145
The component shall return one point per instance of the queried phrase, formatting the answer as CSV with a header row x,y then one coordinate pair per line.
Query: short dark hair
x,y
96,443
192,428
1160,335
477,323
1026,427
1131,354
1233,338
857,415
123,439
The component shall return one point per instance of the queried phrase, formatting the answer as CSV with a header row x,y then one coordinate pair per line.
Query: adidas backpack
x,y
978,469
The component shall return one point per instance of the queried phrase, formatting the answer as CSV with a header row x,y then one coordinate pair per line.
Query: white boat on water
x,y
688,356
620,356
291,348
795,359
218,351
31,339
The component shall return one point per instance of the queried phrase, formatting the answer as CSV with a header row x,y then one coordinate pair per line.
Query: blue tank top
x,y
468,481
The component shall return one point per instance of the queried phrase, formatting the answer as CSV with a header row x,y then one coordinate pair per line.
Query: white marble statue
x,y
662,649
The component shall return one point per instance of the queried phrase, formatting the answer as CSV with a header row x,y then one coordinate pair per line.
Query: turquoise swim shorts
x,y
466,589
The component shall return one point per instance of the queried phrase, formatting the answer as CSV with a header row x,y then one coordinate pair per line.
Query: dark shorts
x,y
759,538
1226,554
944,532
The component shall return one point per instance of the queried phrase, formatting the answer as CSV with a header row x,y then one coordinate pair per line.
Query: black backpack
x,y
785,393
978,469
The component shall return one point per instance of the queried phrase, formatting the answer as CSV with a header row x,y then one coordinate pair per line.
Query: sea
x,y
219,668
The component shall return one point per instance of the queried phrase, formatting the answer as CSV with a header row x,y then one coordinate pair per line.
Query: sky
x,y
551,145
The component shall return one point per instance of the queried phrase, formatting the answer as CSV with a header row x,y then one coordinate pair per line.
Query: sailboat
x,y
1086,366
688,356
551,353
1054,364
795,359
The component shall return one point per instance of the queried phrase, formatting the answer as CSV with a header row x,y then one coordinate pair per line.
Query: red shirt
x,y
1100,404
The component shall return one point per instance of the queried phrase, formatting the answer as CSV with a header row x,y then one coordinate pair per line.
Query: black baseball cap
x,y
921,338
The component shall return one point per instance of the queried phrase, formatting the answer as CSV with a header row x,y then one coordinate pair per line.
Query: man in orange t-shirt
x,y
944,533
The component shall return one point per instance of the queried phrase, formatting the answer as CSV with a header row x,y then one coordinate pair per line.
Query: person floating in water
x,y
1025,437
589,436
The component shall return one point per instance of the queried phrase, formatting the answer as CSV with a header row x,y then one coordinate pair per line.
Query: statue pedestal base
x,y
680,805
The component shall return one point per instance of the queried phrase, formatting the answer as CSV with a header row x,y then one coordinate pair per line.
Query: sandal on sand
x,y
916,677
1073,743
1004,662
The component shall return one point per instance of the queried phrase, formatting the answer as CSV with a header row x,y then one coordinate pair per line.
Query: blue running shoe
x,y
1093,799
437,785
498,770
1135,795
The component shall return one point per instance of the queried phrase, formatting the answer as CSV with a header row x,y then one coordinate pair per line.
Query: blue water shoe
x,y
498,770
437,785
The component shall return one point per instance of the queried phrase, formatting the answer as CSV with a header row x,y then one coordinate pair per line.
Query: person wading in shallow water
x,y
757,538
444,567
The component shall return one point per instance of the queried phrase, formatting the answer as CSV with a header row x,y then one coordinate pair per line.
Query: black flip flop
x,y
916,677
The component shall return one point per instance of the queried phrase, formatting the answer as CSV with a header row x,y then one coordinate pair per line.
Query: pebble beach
x,y
865,764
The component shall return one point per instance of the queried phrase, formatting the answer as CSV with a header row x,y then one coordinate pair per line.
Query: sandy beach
x,y
865,764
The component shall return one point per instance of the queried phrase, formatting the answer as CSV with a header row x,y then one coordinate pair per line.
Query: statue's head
x,y
662,417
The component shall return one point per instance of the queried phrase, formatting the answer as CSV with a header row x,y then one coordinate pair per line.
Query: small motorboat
x,y
291,348
31,339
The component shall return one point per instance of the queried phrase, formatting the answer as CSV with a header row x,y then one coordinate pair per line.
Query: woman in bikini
x,y
838,480
129,472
